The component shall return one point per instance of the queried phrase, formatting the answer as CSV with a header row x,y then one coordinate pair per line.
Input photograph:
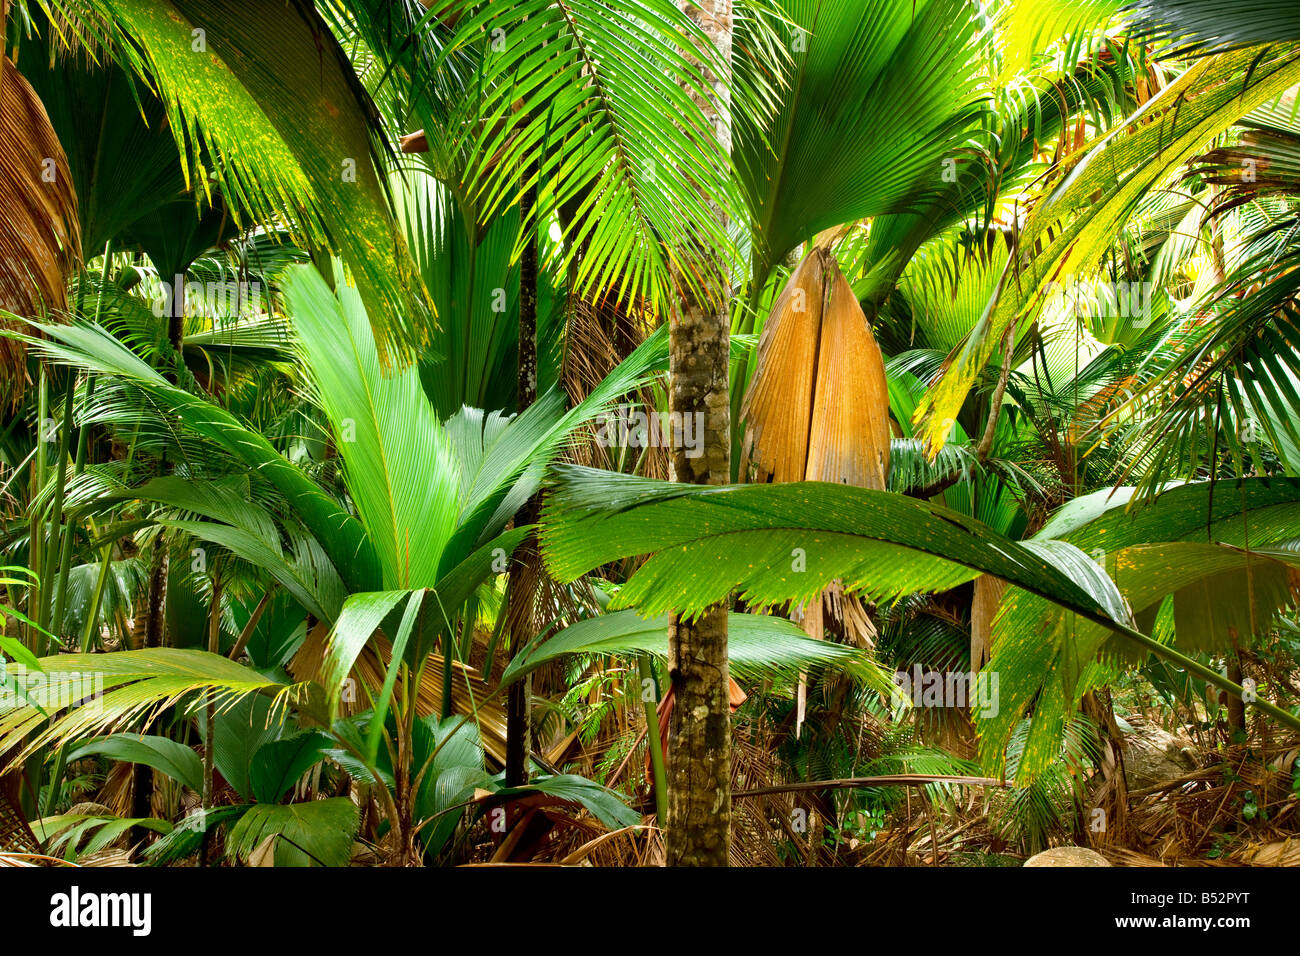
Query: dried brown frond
x,y
817,408
599,336
983,609
40,234
1198,818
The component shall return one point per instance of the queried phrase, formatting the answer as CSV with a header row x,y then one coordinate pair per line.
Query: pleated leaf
x,y
777,543
92,348
877,96
174,759
1198,27
399,468
315,833
758,646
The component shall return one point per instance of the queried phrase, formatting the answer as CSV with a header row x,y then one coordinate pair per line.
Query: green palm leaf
x,y
430,494
399,467
1198,27
841,147
1070,229
176,760
264,102
600,98
777,543
80,695
122,169
758,646
318,832
340,534
1222,554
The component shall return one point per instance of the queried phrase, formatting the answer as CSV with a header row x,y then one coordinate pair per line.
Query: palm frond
x,y
1225,555
1070,228
603,102
839,148
74,696
92,348
400,471
266,106
40,233
758,647
776,543
1200,27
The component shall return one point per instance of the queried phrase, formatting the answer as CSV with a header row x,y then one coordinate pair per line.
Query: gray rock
x,y
1067,856
1153,756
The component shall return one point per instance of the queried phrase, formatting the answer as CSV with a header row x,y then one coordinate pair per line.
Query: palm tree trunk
x,y
1236,704
1111,793
210,724
176,321
699,762
142,779
518,723
142,774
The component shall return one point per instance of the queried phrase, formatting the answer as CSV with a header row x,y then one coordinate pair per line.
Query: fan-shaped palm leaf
x,y
839,147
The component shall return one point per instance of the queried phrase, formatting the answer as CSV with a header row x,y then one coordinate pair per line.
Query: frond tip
x,y
74,696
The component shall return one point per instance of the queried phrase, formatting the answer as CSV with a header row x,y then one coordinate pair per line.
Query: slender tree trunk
x,y
176,320
1236,706
142,779
142,776
699,762
1111,793
527,384
519,612
210,728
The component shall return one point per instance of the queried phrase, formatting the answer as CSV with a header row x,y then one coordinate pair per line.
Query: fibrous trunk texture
x,y
699,759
